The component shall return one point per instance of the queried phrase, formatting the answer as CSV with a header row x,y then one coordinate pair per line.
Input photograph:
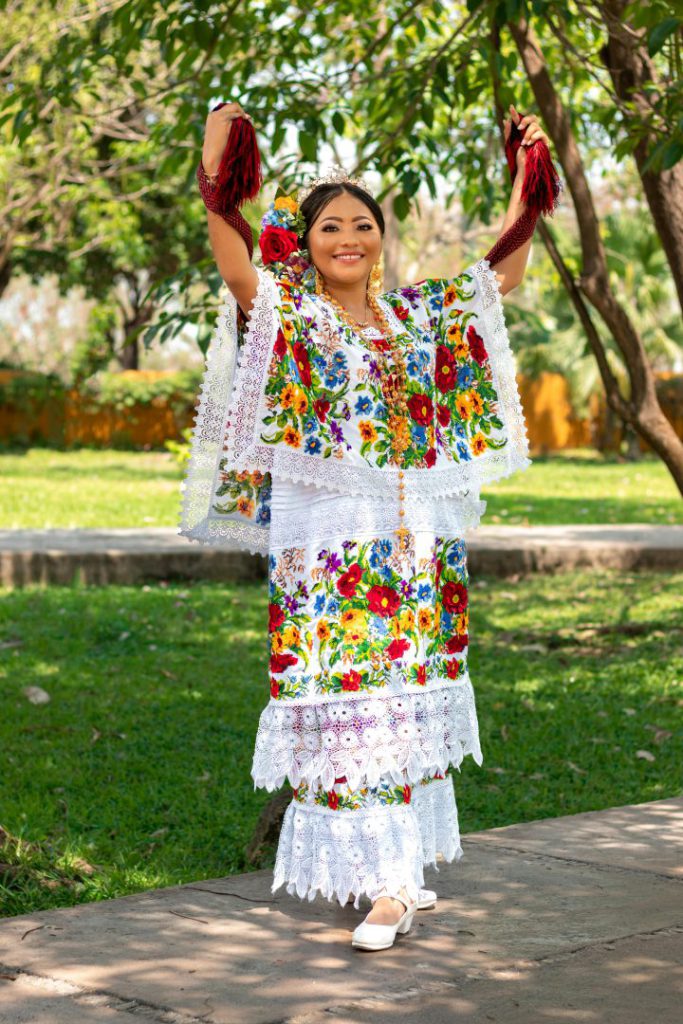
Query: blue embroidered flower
x,y
263,514
313,445
319,604
379,552
332,606
464,452
419,433
363,404
310,425
424,592
465,376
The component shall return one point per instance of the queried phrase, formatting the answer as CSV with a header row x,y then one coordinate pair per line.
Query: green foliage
x,y
122,392
29,389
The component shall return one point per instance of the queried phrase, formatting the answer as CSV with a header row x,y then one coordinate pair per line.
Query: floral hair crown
x,y
283,225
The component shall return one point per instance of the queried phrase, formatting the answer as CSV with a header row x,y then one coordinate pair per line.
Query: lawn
x,y
136,774
43,488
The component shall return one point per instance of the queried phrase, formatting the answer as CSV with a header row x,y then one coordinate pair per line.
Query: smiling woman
x,y
348,440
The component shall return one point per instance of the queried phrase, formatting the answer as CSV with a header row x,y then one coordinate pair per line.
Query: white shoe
x,y
381,936
426,898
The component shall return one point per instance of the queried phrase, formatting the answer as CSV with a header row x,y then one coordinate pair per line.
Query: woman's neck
x,y
353,297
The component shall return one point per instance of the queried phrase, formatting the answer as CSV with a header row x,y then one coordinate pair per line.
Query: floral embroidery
x,y
342,797
359,616
247,494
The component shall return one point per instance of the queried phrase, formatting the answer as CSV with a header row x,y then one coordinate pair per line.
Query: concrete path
x,y
130,556
576,920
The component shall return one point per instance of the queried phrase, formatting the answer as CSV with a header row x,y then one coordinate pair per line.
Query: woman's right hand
x,y
216,134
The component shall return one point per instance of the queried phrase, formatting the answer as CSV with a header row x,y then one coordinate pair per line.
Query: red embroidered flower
x,y
383,601
351,680
402,312
302,363
407,793
349,580
279,662
421,408
476,343
276,244
274,687
454,597
439,570
453,668
421,675
443,415
333,800
276,617
280,346
457,643
430,457
445,374
397,648
321,407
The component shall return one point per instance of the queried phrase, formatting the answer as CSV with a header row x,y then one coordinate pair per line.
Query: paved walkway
x,y
576,920
129,556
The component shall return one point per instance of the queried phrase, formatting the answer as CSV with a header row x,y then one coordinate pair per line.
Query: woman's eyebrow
x,y
362,216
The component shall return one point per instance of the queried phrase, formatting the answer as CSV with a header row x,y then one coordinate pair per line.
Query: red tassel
x,y
239,173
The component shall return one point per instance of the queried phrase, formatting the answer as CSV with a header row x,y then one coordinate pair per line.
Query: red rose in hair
x,y
443,415
445,369
348,581
351,680
453,669
457,643
476,343
302,363
454,597
333,800
277,244
383,601
276,617
321,408
421,408
397,648
430,457
279,662
402,312
280,346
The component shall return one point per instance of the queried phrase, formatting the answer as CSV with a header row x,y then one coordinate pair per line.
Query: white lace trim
x,y
358,853
401,736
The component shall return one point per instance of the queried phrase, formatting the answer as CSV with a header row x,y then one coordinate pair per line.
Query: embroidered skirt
x,y
370,695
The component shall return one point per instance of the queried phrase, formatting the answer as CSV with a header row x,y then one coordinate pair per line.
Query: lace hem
x,y
402,736
361,852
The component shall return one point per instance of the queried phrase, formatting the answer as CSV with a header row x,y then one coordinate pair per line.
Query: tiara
x,y
337,175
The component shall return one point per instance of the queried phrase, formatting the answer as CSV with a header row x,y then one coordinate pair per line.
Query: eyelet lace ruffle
x,y
401,736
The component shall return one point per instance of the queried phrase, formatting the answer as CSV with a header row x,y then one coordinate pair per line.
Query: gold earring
x,y
319,287
376,279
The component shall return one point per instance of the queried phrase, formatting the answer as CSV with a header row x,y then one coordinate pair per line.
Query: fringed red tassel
x,y
239,173
540,193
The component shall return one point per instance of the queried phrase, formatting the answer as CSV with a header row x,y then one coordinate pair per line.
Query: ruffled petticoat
x,y
371,701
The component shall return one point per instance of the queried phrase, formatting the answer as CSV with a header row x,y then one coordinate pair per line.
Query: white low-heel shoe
x,y
381,936
426,898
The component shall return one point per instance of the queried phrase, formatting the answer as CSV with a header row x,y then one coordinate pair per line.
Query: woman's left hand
x,y
532,133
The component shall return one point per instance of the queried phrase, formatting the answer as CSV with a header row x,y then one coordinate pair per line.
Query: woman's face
x,y
345,241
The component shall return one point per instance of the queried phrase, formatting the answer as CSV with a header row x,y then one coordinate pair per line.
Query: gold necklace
x,y
393,388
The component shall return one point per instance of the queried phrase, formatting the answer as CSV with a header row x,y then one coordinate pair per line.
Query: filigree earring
x,y
319,286
376,279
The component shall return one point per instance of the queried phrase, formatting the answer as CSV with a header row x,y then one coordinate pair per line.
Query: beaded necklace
x,y
393,389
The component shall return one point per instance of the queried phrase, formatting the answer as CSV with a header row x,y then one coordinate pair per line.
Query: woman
x,y
348,440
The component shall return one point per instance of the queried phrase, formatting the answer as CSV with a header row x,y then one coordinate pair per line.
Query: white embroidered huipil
x,y
370,695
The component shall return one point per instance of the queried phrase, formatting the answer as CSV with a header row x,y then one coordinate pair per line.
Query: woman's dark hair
x,y
317,200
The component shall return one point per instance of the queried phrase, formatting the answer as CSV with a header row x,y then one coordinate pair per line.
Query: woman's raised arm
x,y
228,246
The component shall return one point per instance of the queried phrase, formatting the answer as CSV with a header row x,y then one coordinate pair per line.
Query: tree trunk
x,y
631,67
641,408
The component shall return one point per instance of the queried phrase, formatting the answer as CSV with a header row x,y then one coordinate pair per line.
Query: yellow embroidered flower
x,y
287,396
437,617
450,295
395,627
425,619
292,437
477,402
257,478
407,619
300,402
462,623
354,623
461,349
367,430
245,506
291,637
478,444
323,630
454,333
462,404
276,643
286,203
287,329
241,477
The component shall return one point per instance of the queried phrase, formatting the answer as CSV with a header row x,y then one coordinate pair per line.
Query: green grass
x,y
136,774
44,488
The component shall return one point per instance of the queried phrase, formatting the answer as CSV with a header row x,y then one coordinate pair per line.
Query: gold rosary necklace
x,y
393,388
